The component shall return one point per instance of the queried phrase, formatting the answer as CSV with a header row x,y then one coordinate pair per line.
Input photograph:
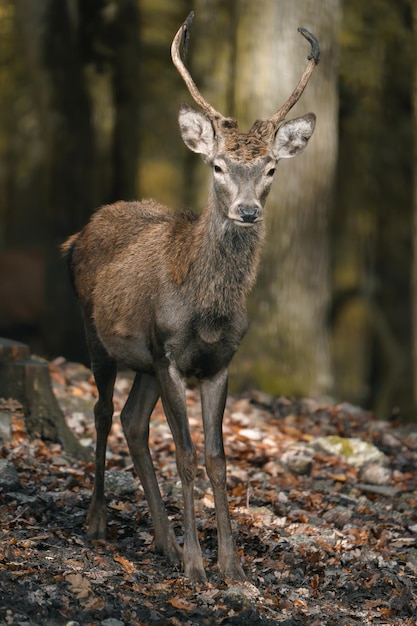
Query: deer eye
x,y
218,169
271,172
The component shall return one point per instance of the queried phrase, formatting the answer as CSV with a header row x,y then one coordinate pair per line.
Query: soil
x,y
322,544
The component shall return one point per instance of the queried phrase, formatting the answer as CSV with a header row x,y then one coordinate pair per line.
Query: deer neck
x,y
225,260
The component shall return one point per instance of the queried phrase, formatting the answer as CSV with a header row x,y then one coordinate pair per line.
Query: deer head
x,y
243,163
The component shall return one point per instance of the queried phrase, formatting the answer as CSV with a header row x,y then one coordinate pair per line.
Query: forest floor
x,y
324,540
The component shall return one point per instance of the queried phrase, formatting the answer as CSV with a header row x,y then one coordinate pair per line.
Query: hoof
x,y
196,575
96,526
170,550
96,535
234,571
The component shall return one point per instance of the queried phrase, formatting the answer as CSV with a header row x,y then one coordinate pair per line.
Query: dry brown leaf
x,y
340,478
80,586
18,428
127,565
180,603
94,603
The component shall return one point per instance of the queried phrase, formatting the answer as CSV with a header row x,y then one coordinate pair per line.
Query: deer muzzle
x,y
248,214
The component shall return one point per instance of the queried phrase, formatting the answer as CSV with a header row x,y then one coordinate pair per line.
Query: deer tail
x,y
67,250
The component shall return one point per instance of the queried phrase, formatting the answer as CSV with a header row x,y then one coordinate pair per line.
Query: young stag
x,y
163,293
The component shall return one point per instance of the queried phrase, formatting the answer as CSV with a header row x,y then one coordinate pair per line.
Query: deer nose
x,y
248,213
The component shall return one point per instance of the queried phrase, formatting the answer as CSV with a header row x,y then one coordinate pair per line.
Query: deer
x,y
163,293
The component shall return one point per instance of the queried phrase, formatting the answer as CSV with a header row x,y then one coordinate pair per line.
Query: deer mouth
x,y
246,223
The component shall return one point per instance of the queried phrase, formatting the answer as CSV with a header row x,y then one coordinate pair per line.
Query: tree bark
x,y
126,96
49,41
212,61
414,269
26,379
286,350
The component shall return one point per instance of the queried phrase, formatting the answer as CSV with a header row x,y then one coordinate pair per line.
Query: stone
x,y
338,515
376,474
119,483
9,479
298,459
240,596
353,450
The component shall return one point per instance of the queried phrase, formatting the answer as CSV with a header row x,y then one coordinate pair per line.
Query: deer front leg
x,y
135,420
213,401
172,390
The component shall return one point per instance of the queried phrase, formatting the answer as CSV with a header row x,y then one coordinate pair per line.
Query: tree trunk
x,y
212,62
49,41
126,95
414,271
26,379
286,349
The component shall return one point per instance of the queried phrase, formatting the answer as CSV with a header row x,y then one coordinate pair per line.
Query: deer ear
x,y
196,131
293,136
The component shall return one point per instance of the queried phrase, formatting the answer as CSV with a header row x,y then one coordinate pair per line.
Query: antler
x,y
182,36
313,60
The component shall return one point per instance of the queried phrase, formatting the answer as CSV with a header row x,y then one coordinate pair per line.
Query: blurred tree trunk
x,y
212,62
414,272
49,43
372,220
126,94
59,41
286,349
161,171
247,59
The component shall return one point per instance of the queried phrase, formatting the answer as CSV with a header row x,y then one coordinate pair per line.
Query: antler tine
x,y
313,60
182,36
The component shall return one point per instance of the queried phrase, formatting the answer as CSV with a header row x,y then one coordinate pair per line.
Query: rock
x,y
9,479
412,556
388,440
119,483
111,621
253,434
60,461
381,490
240,596
354,451
339,516
376,474
22,498
298,459
350,409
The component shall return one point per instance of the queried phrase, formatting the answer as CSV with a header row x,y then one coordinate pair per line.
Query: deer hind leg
x,y
213,400
104,368
135,420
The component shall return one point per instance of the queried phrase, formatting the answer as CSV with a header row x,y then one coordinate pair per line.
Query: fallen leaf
x,y
80,585
180,603
127,565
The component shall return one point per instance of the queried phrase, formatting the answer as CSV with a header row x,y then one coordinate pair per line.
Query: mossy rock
x,y
354,451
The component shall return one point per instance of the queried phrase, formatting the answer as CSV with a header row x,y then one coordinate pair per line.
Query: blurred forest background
x,y
88,115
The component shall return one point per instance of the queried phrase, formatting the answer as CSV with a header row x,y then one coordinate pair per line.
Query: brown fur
x,y
131,250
